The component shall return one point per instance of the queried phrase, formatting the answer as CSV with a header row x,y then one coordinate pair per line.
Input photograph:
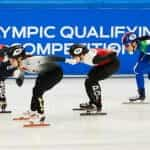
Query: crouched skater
x,y
104,63
48,72
6,70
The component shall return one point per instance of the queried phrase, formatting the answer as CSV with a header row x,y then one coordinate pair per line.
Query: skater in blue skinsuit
x,y
142,66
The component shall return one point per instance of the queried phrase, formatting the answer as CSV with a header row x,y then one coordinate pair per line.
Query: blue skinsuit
x,y
143,65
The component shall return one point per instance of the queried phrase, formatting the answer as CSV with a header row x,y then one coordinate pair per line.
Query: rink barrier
x,y
84,76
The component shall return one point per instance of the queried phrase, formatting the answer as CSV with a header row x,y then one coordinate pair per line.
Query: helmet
x,y
16,51
2,46
128,38
78,49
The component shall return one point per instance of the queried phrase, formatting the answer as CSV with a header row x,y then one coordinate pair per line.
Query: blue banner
x,y
53,31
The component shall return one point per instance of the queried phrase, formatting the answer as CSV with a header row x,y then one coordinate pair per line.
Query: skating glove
x,y
19,75
19,81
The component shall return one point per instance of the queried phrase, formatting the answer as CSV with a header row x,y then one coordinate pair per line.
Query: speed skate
x,y
21,118
78,109
3,108
5,111
92,113
36,121
31,124
136,102
89,112
83,108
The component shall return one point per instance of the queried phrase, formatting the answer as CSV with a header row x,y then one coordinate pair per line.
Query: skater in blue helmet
x,y
133,43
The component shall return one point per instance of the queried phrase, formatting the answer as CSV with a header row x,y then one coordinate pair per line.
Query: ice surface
x,y
126,127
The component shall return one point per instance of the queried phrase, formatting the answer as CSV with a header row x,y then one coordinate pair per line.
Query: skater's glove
x,y
19,81
19,75
70,61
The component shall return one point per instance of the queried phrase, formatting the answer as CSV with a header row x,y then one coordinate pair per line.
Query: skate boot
x,y
26,115
96,111
99,108
98,105
3,106
88,106
37,121
141,96
38,118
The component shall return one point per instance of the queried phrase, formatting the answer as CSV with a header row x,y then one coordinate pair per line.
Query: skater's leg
x,y
93,91
3,102
92,86
140,87
140,69
97,74
44,82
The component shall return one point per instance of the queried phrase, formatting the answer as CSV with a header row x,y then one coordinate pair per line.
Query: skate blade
x,y
77,109
136,103
83,109
6,111
32,125
93,113
21,118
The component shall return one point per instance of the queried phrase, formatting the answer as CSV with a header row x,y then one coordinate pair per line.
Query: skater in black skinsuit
x,y
45,80
104,63
4,73
48,72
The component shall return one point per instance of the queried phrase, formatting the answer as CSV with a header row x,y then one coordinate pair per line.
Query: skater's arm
x,y
19,77
98,59
57,58
63,59
6,69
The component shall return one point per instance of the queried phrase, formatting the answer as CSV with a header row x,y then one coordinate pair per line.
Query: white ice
x,y
126,127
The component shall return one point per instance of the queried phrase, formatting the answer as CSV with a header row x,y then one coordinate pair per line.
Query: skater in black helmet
x,y
104,63
48,72
4,73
